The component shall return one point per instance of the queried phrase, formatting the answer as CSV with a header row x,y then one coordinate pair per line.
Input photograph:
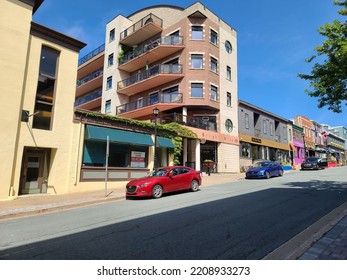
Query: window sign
x,y
137,159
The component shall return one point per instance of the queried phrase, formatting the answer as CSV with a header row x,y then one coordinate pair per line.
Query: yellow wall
x,y
59,139
20,58
15,18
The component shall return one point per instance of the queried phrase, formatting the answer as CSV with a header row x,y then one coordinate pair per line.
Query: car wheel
x,y
267,174
157,191
194,185
280,173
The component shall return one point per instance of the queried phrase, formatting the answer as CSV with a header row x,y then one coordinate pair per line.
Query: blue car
x,y
264,169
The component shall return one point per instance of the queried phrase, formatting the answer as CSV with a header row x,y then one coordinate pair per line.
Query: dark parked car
x,y
165,180
313,163
264,169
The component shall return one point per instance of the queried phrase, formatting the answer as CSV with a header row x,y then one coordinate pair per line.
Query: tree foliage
x,y
328,79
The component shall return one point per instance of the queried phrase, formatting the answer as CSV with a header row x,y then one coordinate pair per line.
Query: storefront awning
x,y
115,135
164,142
292,146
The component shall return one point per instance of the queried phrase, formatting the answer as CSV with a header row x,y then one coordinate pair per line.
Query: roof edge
x,y
54,36
156,6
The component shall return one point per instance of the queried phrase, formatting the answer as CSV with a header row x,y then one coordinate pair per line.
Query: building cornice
x,y
54,36
255,108
33,3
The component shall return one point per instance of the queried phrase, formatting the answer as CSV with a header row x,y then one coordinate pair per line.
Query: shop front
x,y
298,152
130,154
254,148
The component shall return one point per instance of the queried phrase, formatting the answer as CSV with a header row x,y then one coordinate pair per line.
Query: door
x,y
32,173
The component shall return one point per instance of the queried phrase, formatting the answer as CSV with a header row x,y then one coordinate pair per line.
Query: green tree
x,y
328,79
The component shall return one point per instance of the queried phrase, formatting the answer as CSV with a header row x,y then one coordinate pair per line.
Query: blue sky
x,y
274,39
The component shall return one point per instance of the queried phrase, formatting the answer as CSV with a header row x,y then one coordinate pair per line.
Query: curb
x,y
295,247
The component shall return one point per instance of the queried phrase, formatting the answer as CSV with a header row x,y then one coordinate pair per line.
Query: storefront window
x,y
245,150
120,155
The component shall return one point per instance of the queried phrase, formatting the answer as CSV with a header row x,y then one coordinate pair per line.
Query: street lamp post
x,y
155,113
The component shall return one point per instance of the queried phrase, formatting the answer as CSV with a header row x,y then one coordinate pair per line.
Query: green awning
x,y
115,135
164,142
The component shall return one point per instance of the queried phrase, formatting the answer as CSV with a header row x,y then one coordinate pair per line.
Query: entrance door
x,y
32,173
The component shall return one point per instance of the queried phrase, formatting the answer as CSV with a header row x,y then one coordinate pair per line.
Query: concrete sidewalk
x,y
325,239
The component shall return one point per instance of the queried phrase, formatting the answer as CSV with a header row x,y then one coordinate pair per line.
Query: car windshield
x,y
310,160
157,173
262,164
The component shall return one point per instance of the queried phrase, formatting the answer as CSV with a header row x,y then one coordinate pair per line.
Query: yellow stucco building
x,y
37,81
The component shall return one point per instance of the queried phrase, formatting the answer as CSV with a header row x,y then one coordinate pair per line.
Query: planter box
x,y
287,167
331,164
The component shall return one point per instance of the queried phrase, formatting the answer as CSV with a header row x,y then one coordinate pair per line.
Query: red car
x,y
165,180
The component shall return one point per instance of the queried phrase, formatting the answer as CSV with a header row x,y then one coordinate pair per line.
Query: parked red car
x,y
165,180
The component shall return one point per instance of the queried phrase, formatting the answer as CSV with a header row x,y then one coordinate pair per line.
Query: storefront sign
x,y
298,143
256,140
137,159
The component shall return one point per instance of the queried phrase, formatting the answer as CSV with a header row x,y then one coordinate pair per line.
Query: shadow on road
x,y
248,226
320,185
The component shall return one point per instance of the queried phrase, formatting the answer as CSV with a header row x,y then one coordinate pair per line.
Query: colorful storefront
x,y
298,152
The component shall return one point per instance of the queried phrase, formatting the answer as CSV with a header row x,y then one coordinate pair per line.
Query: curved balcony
x,y
151,51
142,30
147,79
144,106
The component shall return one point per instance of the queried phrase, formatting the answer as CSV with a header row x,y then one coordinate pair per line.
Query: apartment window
x,y
109,82
196,90
197,61
228,46
213,93
214,37
108,106
110,59
271,129
139,102
214,65
246,121
284,133
229,125
197,32
44,101
229,73
112,35
264,127
170,95
153,98
228,99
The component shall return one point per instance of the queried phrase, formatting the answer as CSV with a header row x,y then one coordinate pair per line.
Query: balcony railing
x,y
163,41
197,122
90,77
88,97
141,23
151,72
172,97
91,54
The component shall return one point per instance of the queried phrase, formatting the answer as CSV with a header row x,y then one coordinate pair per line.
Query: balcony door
x,y
170,95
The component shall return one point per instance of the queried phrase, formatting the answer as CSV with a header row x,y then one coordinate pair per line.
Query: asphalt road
x,y
242,220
